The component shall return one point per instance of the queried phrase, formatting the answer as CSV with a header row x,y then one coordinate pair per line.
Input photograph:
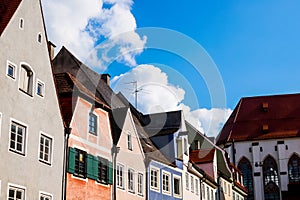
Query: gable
x,y
7,10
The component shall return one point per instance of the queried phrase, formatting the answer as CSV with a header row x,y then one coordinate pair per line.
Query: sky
x,y
198,56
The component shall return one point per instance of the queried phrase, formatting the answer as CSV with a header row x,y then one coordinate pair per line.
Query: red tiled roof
x,y
280,114
202,156
237,184
7,10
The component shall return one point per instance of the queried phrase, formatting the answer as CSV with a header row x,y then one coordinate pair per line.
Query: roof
x,y
65,61
117,118
263,117
7,10
202,156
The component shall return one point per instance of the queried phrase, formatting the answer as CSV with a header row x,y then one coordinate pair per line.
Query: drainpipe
x,y
219,188
233,152
65,162
114,151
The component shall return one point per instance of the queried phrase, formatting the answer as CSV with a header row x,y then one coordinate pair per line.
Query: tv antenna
x,y
136,91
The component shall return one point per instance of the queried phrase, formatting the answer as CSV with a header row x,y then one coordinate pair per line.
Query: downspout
x,y
233,152
67,133
219,188
114,151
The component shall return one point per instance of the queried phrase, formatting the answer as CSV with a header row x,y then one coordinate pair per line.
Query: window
x,y
224,186
93,124
246,169
80,163
26,79
187,181
45,197
131,180
140,184
197,186
21,24
294,169
129,141
120,177
179,148
17,138
177,186
185,146
39,38
207,192
228,190
45,149
203,190
197,144
102,170
11,70
166,182
15,193
40,89
212,196
192,184
270,174
233,196
154,178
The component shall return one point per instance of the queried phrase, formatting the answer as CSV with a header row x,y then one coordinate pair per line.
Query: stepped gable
x,y
263,117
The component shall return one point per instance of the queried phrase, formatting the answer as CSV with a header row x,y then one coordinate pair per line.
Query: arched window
x,y
271,181
294,169
246,169
26,79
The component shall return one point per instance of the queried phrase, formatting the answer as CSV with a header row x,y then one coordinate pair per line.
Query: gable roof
x,y
263,117
202,155
7,10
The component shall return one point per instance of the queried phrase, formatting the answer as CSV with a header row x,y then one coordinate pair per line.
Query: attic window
x,y
265,128
21,25
265,106
39,38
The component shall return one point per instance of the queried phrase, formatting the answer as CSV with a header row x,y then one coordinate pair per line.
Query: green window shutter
x,y
110,173
92,167
71,163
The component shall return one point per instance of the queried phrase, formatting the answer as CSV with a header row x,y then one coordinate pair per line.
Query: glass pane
x,y
19,147
11,193
19,195
13,128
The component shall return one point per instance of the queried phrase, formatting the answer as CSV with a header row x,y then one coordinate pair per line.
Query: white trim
x,y
88,143
14,77
180,186
45,194
128,133
26,137
88,124
33,80
158,179
170,182
15,186
51,150
123,176
43,88
143,183
133,181
176,169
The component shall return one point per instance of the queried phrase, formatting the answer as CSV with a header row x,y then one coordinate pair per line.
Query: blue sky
x,y
255,44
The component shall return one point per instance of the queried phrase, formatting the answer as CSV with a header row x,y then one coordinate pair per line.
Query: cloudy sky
x,y
198,56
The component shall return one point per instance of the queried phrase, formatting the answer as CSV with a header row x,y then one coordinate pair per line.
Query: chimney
x,y
51,48
106,78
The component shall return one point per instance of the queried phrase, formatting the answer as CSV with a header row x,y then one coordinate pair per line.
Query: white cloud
x,y
156,94
80,24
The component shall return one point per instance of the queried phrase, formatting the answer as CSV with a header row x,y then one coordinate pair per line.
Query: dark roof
x,y
7,10
202,156
117,118
65,61
263,117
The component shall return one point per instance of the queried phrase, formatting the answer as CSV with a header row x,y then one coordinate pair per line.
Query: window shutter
x,y
71,163
92,167
110,173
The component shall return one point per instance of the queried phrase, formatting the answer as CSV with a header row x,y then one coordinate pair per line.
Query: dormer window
x,y
26,80
21,24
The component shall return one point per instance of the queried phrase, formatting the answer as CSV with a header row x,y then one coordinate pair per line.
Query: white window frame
x,y
131,180
168,175
45,194
212,195
120,184
157,189
14,66
39,82
180,186
129,140
17,188
31,91
207,192
95,122
192,184
187,184
140,190
197,186
50,157
24,141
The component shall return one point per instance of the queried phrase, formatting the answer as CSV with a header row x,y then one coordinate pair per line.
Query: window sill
x,y
10,76
93,134
45,162
25,92
17,152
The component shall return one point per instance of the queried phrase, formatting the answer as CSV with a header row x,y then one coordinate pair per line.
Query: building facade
x,y
31,127
262,138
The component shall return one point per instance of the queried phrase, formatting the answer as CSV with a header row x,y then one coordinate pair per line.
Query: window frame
x,y
45,194
153,187
39,82
130,180
77,171
17,188
293,168
129,140
21,23
122,177
30,82
140,188
95,125
187,181
24,137
168,175
102,165
196,186
192,184
180,186
50,138
39,37
14,66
